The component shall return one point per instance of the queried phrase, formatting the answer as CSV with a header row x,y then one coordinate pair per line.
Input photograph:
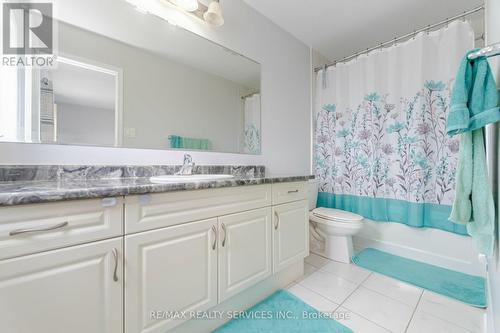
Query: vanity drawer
x,y
34,228
151,211
287,192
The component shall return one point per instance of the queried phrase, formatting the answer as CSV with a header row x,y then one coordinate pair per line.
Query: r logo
x,y
27,28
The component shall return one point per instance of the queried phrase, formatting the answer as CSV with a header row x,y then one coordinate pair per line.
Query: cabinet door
x,y
169,271
244,250
69,290
290,233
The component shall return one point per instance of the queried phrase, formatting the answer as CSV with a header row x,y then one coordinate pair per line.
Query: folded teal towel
x,y
474,104
175,141
180,142
192,143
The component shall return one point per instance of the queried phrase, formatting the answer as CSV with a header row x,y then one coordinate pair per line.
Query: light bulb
x,y
213,15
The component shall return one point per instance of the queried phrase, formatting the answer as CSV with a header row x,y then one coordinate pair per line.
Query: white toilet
x,y
333,227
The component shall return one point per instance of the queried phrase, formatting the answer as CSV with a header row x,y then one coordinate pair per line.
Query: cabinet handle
x,y
214,230
225,234
26,231
294,191
115,256
277,220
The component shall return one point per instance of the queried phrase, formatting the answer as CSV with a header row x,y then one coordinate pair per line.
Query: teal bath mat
x,y
282,312
469,289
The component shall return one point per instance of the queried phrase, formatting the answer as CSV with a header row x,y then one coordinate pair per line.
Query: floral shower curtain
x,y
380,145
251,141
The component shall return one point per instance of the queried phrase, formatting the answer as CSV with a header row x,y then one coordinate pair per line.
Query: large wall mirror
x,y
133,80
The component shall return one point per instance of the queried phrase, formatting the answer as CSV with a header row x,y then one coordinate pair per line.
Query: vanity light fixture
x,y
187,5
213,15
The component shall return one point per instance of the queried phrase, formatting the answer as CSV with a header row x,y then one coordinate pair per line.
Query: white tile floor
x,y
368,302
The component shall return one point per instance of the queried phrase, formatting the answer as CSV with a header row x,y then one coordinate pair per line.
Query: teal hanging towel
x,y
474,104
474,98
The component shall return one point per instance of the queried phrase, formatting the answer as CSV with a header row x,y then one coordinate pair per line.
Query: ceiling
x,y
339,28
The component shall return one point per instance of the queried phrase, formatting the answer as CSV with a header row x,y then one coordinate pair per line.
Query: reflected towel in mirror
x,y
180,142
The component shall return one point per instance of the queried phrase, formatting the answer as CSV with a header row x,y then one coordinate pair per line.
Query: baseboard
x,y
245,299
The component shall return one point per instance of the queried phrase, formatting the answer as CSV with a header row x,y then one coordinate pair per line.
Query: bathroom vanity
x,y
126,263
107,249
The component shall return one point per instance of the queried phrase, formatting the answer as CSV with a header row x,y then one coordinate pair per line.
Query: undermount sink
x,y
188,178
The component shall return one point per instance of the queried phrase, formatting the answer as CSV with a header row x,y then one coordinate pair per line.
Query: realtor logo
x,y
27,28
28,32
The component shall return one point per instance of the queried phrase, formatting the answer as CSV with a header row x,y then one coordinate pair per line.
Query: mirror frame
x,y
99,67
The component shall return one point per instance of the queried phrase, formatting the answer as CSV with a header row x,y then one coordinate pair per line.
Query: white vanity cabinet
x,y
152,211
167,270
244,250
290,233
148,260
33,228
290,224
179,269
76,289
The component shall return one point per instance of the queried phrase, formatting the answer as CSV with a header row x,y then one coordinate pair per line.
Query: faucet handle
x,y
188,159
187,166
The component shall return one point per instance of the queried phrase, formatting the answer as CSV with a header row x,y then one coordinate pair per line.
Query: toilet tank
x,y
313,193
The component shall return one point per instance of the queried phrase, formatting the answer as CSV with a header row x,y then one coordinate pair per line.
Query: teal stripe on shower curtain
x,y
419,215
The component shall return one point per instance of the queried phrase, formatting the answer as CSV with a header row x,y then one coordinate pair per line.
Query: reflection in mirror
x,y
74,102
80,103
170,89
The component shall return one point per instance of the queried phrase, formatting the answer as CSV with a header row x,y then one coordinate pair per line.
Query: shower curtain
x,y
251,141
380,145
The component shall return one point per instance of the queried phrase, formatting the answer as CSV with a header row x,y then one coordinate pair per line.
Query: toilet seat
x,y
335,215
339,225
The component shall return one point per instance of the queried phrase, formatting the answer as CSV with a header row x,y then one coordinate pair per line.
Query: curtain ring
x,y
446,22
395,41
323,77
414,34
428,30
381,47
463,17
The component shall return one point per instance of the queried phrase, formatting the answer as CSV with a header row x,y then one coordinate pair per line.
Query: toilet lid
x,y
337,215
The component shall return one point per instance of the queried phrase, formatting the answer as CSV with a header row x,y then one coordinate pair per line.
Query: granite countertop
x,y
51,190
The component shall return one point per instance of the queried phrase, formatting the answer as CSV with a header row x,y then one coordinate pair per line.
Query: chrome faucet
x,y
187,166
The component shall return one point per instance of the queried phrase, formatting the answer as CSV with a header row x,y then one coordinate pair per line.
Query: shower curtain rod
x,y
488,51
249,95
397,39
